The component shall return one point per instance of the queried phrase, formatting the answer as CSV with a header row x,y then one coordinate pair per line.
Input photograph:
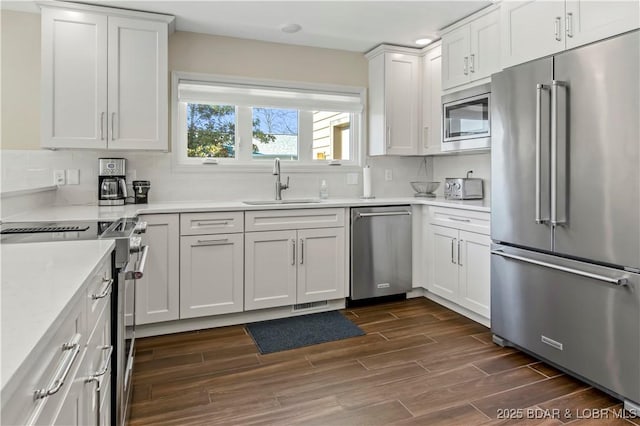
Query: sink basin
x,y
270,202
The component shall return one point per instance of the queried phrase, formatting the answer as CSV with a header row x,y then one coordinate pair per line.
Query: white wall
x,y
458,165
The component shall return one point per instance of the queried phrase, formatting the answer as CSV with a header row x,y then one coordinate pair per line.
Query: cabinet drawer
x,y
211,223
42,366
467,220
99,288
276,220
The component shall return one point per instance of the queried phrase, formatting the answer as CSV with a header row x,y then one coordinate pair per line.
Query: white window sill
x,y
267,166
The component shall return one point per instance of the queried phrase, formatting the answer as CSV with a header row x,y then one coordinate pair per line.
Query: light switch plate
x,y
388,174
352,178
59,177
73,177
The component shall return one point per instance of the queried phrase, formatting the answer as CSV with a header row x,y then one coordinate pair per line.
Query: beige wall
x,y
203,53
20,32
20,47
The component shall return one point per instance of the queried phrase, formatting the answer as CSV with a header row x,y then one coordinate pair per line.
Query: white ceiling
x,y
347,25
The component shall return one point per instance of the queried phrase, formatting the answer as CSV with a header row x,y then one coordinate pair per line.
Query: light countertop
x,y
38,282
92,212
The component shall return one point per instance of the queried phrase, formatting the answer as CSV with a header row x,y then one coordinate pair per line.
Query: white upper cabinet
x,y
74,79
394,94
138,78
588,21
531,30
471,51
431,100
455,64
538,28
104,79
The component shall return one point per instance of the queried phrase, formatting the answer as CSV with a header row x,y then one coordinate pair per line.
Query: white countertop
x,y
38,282
92,212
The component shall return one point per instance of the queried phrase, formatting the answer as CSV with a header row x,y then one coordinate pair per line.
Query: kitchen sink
x,y
270,202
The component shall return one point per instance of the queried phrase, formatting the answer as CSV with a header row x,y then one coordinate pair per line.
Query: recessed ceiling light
x,y
423,41
290,28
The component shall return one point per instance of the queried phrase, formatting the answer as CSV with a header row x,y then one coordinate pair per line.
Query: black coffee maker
x,y
112,185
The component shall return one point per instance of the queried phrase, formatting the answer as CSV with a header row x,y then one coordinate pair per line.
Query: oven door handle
x,y
139,272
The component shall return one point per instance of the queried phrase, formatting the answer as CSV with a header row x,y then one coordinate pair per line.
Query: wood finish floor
x,y
418,364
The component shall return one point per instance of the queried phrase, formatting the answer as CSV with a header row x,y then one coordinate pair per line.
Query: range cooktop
x,y
34,232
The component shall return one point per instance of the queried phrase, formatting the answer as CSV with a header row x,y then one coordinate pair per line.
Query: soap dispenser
x,y
324,190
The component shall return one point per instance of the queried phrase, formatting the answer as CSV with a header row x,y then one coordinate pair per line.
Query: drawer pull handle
x,y
95,378
293,249
72,350
212,242
106,289
212,223
460,220
301,251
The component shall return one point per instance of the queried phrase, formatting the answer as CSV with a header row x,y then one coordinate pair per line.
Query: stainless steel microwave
x,y
466,119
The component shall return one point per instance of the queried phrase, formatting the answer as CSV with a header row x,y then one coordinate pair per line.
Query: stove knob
x,y
456,185
135,244
141,228
447,185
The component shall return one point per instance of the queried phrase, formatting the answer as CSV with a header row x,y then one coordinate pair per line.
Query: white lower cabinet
x,y
158,291
270,269
458,246
460,267
77,348
320,265
300,265
211,274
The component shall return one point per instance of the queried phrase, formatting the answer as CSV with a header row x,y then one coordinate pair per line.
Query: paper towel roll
x,y
366,182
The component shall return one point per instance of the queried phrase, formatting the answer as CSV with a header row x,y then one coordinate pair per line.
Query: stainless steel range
x,y
128,260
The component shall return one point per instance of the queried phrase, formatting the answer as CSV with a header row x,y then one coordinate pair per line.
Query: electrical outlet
x,y
352,178
58,177
73,177
388,174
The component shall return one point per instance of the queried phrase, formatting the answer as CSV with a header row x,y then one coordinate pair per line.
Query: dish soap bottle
x,y
324,190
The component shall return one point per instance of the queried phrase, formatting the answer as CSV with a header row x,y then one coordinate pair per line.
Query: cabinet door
x,y
443,265
455,57
474,260
138,93
158,291
211,274
321,264
74,79
588,21
531,30
401,103
432,101
270,269
484,59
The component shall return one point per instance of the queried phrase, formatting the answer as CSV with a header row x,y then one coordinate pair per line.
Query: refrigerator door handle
x,y
554,152
615,281
539,89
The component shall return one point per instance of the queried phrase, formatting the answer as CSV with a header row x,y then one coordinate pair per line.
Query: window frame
x,y
243,161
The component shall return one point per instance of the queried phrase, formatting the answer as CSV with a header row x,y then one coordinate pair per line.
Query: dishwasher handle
x,y
396,213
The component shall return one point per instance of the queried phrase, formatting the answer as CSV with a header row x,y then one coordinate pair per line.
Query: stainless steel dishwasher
x,y
380,251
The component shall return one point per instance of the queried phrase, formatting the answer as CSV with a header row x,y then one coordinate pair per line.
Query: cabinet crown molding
x,y
111,11
391,48
464,21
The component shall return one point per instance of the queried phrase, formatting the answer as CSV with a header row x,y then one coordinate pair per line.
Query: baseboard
x,y
193,324
421,292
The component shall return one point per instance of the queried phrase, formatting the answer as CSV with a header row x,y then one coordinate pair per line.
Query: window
x,y
237,122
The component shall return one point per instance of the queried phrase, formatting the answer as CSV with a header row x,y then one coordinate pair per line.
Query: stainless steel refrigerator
x,y
565,212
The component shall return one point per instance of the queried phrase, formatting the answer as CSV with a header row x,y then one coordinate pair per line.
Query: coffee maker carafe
x,y
112,185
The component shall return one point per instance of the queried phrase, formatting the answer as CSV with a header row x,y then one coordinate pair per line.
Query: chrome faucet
x,y
279,185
